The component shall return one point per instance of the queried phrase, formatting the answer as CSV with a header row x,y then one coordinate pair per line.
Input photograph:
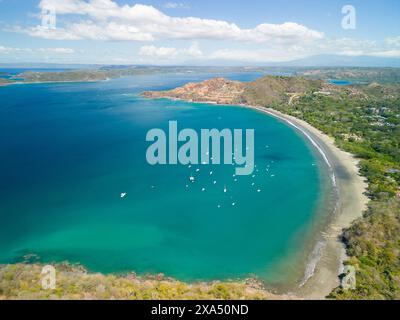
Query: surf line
x,y
316,254
307,135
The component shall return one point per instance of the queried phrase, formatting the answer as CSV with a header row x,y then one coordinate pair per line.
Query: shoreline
x,y
352,202
324,270
321,275
51,82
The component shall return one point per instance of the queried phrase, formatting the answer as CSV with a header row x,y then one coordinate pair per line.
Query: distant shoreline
x,y
51,82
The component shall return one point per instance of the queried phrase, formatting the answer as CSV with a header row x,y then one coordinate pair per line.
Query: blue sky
x,y
174,32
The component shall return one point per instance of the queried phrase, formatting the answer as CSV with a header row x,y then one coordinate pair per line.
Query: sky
x,y
164,32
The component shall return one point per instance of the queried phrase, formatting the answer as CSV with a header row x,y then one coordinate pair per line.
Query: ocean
x,y
69,150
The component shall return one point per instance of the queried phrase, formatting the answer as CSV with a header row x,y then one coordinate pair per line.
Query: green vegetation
x,y
355,75
23,281
373,245
271,89
4,82
365,121
66,76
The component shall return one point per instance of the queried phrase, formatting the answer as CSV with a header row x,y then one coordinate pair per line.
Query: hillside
x,y
272,89
4,82
64,76
23,281
216,90
264,91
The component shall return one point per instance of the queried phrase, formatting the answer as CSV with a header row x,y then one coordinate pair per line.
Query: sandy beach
x,y
324,271
352,202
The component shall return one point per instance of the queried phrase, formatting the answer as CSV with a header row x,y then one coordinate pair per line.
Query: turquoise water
x,y
69,150
8,73
341,82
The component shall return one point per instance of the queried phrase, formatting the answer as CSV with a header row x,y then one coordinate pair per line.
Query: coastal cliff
x,y
218,90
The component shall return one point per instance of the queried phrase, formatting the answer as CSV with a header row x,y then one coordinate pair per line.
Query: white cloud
x,y
155,52
258,55
44,33
285,51
385,54
169,53
267,55
347,44
355,47
9,50
380,54
194,50
395,41
106,20
286,32
57,50
176,5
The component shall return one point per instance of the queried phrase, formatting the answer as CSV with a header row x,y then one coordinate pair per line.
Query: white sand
x,y
352,203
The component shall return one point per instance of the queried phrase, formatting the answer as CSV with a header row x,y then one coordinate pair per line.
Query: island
x,y
4,82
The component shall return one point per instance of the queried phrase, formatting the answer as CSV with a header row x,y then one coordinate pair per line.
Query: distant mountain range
x,y
343,61
313,61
